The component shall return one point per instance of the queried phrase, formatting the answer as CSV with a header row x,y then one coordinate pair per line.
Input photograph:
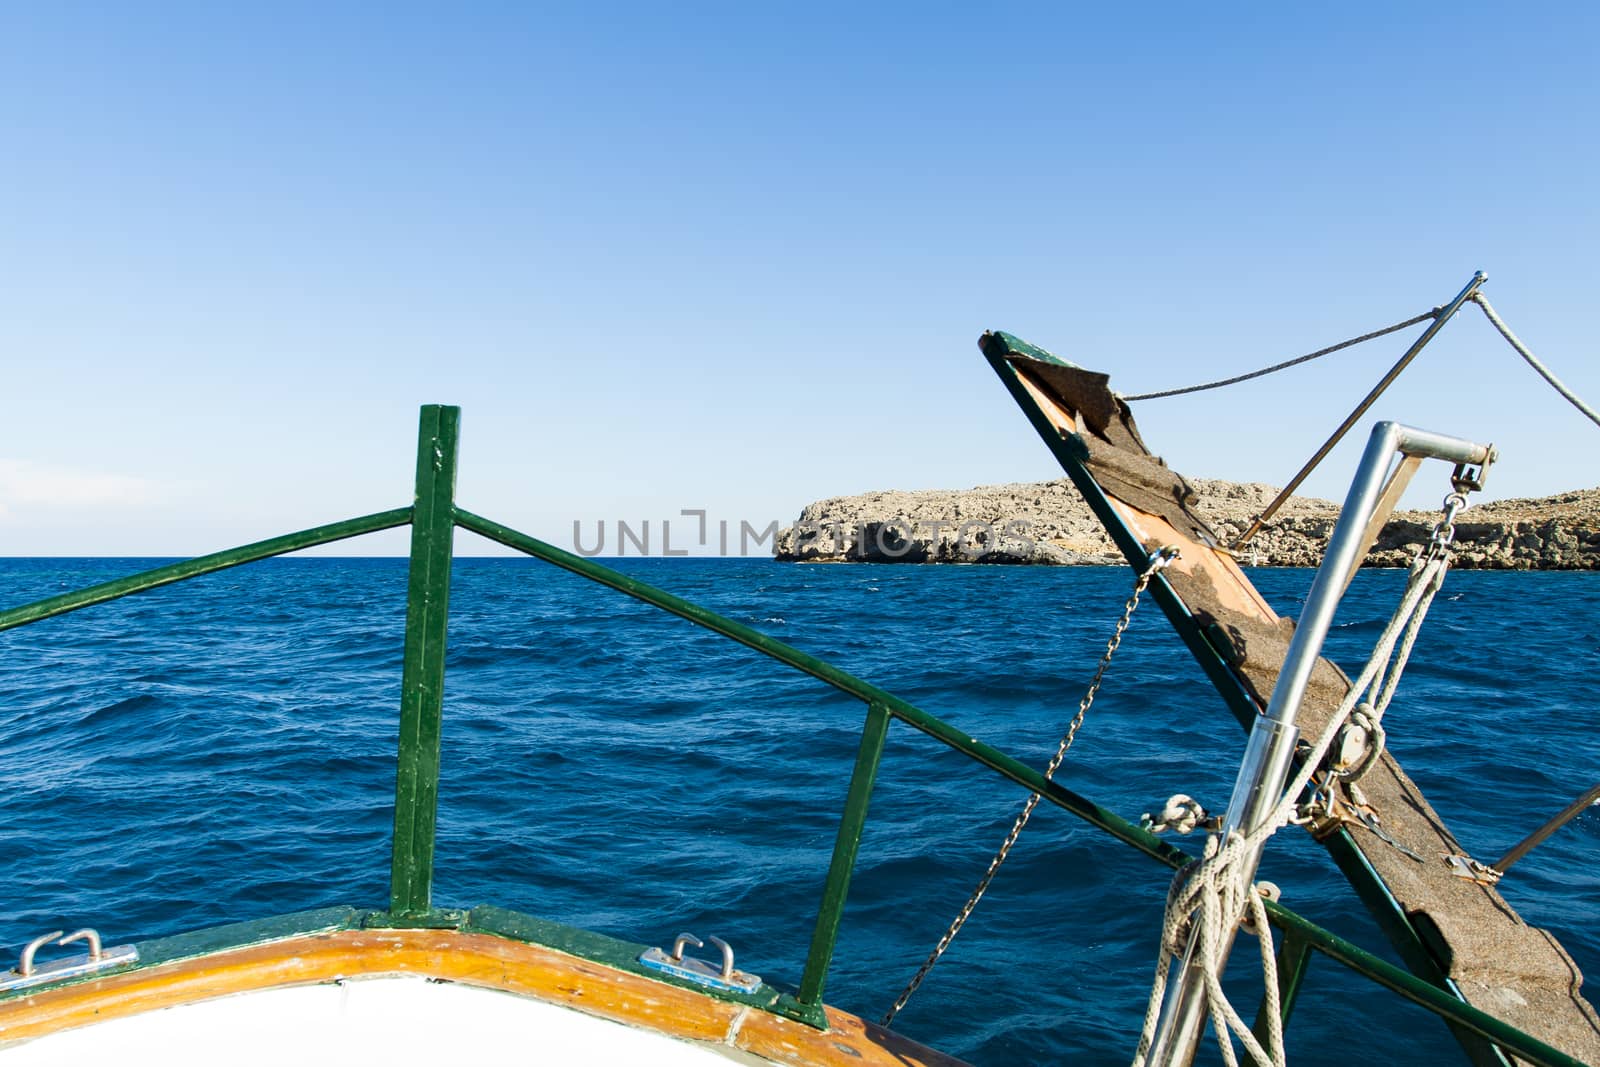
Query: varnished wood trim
x,y
849,1040
472,959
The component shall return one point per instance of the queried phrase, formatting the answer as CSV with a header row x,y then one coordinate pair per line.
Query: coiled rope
x,y
1286,364
1158,562
1182,814
1209,895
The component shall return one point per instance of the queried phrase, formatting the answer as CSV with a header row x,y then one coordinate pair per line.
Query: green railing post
x,y
837,887
416,787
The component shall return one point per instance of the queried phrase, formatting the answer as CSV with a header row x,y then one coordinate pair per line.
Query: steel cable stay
x,y
1439,315
1286,364
1477,297
1533,361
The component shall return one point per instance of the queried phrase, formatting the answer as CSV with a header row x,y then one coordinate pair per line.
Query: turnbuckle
x,y
1444,531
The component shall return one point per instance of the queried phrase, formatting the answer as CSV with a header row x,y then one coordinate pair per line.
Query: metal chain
x,y
1158,561
1444,531
1286,364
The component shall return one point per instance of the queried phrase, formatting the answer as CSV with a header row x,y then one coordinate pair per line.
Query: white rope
x,y
1533,361
1182,813
1368,714
1208,896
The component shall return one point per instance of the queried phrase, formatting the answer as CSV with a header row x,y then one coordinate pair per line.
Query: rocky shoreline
x,y
1048,523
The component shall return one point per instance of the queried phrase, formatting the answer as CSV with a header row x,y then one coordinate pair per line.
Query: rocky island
x,y
1048,523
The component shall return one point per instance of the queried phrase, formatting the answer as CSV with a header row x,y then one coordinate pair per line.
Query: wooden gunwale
x,y
476,959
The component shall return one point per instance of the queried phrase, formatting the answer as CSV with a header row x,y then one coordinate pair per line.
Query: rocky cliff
x,y
1048,522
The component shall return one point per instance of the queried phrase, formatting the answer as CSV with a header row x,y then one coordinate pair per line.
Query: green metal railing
x,y
433,519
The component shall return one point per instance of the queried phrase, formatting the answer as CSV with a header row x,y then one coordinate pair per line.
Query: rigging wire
x,y
1286,364
1440,315
1533,361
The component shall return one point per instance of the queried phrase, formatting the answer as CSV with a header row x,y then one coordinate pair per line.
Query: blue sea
x,y
223,749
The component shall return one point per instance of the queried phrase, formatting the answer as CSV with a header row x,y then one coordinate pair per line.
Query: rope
x,y
1533,361
1214,895
1368,714
1208,895
1182,813
1158,561
1286,364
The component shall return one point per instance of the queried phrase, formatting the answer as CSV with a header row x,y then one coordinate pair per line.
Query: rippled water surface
x,y
223,749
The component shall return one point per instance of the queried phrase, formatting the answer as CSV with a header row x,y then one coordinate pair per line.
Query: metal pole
x,y
1264,771
1444,316
416,789
1568,813
192,568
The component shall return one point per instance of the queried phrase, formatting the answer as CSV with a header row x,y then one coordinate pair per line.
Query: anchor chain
x,y
1158,562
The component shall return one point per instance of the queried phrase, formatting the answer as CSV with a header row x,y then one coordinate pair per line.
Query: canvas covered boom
x,y
1458,934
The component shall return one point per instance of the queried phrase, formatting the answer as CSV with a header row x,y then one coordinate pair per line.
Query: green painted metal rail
x,y
194,568
434,517
416,783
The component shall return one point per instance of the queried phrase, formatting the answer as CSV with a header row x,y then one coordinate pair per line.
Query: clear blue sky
x,y
736,257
